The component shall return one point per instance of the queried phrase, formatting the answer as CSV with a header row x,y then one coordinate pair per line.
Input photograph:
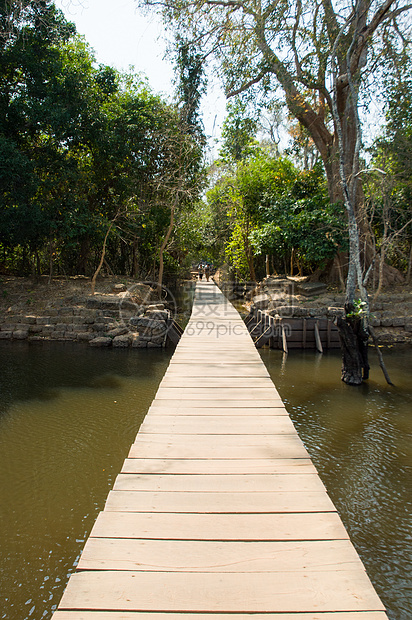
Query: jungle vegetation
x,y
88,153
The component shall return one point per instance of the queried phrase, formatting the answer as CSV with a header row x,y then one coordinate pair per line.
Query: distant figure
x,y
207,272
200,272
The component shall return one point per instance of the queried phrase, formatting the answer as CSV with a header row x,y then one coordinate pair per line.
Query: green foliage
x,y
301,220
81,146
238,133
389,185
360,308
273,208
191,84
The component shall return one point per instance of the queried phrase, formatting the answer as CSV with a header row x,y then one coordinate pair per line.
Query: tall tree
x,y
319,53
269,44
390,180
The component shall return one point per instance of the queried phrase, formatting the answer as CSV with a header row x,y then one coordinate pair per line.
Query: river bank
x,y
296,298
121,313
64,309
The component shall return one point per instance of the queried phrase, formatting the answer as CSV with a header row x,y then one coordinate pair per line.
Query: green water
x,y
68,415
360,440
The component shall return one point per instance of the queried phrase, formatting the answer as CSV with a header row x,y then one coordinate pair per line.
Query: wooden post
x,y
317,338
284,341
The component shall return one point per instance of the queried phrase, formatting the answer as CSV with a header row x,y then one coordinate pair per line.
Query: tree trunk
x,y
96,273
267,265
135,259
164,244
38,263
408,275
83,255
51,262
249,253
354,346
251,264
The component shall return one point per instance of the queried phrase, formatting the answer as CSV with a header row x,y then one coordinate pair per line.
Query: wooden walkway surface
x,y
218,511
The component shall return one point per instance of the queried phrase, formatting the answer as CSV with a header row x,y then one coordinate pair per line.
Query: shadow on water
x,y
39,372
360,440
68,415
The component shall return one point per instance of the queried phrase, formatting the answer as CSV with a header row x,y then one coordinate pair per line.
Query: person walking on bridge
x,y
207,272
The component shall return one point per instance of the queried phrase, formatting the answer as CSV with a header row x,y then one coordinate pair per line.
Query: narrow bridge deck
x,y
218,511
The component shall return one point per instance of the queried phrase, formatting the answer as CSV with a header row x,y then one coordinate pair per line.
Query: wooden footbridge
x,y
218,511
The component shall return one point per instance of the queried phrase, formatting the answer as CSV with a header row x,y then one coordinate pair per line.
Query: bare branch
x,y
366,34
295,30
246,85
225,3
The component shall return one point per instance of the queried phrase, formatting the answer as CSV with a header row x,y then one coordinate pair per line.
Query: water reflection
x,y
68,415
360,440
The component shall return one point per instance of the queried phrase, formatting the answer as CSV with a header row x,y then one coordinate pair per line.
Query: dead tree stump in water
x,y
354,345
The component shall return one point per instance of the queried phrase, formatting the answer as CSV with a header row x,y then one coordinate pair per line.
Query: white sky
x,y
121,37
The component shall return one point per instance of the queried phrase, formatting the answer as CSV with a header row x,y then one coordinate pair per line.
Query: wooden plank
x,y
209,502
227,592
216,556
147,615
264,338
215,446
240,358
217,466
160,407
245,527
221,483
218,403
226,382
212,392
177,369
221,425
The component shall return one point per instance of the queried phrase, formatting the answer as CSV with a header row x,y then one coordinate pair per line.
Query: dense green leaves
x,y
81,146
389,183
273,208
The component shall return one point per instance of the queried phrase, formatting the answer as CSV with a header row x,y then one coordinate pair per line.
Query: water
x,y
360,440
68,416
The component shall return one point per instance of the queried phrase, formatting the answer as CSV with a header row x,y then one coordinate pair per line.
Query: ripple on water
x,y
67,420
360,440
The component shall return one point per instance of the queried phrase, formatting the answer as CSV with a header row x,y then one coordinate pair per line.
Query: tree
x,y
190,85
30,57
389,182
182,175
83,149
319,54
298,226
277,210
292,42
238,133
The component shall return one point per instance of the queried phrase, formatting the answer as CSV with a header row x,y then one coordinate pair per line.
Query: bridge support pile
x,y
218,511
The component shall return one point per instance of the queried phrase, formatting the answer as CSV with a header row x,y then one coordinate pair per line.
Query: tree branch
x,y
225,3
366,34
246,85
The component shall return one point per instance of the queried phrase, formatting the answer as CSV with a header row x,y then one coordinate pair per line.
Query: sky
x,y
122,36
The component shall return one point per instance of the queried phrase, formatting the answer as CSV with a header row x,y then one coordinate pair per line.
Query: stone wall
x,y
391,314
100,321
